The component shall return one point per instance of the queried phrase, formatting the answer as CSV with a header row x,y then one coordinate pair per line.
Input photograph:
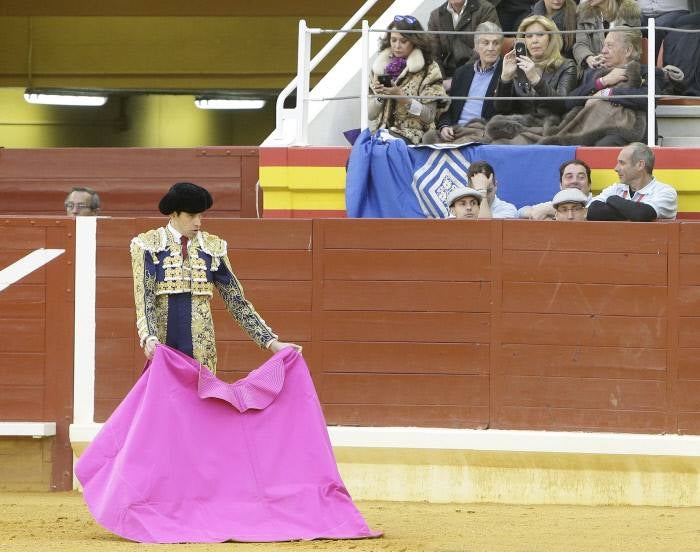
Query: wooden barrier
x,y
36,354
500,324
130,181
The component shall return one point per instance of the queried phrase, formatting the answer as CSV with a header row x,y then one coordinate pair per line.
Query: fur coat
x,y
416,79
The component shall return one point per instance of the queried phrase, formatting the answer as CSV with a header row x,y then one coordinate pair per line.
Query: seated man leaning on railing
x,y
404,67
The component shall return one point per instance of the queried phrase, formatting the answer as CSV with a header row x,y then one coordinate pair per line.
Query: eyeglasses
x,y
80,206
407,18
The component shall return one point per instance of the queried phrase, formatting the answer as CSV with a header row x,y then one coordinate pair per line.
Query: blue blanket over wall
x,y
388,179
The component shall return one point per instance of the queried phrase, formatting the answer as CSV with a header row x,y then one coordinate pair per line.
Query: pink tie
x,y
183,243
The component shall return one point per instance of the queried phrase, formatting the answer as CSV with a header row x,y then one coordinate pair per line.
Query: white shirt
x,y
662,197
455,15
502,209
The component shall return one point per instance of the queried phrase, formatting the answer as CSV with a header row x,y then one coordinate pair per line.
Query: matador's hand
x,y
149,348
277,346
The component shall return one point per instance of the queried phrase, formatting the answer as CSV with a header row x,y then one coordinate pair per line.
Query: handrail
x,y
651,82
318,58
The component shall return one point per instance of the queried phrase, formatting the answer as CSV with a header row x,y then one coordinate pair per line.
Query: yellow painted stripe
x,y
303,178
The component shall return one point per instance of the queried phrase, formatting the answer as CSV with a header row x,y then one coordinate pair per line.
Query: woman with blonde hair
x,y
596,16
404,67
542,71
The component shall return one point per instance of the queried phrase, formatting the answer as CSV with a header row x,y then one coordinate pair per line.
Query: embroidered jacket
x,y
159,271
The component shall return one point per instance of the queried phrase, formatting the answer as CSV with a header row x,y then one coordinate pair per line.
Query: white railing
x,y
305,65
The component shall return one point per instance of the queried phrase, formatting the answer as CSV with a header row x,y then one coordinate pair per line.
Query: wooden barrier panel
x,y
502,324
130,181
36,325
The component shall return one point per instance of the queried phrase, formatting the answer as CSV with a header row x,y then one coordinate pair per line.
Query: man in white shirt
x,y
482,178
574,174
638,196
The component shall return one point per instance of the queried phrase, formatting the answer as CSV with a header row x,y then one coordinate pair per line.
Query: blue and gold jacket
x,y
160,271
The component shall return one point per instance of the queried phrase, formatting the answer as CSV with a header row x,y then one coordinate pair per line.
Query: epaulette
x,y
212,245
152,241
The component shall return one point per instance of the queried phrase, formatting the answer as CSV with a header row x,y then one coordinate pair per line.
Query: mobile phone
x,y
384,80
520,49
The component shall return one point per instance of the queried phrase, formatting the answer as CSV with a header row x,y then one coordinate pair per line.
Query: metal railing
x,y
305,65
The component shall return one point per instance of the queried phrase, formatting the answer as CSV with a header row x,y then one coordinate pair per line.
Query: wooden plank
x,y
452,416
405,358
117,353
406,296
581,330
689,364
689,423
579,238
240,357
688,394
22,403
261,233
24,238
584,362
289,325
116,322
570,298
23,301
435,265
396,234
688,300
118,232
22,335
688,331
405,389
690,269
447,327
574,419
585,393
584,267
113,384
689,237
22,369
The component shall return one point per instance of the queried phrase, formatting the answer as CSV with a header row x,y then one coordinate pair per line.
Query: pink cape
x,y
187,457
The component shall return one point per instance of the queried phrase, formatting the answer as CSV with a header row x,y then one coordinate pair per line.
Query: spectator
x,y
573,175
472,79
542,72
569,205
483,179
665,13
621,48
452,51
512,12
563,13
82,202
638,196
406,61
682,50
594,16
463,203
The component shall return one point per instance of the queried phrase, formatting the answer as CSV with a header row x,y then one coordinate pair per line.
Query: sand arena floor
x,y
57,522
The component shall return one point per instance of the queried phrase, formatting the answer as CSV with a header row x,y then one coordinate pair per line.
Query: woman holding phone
x,y
535,67
404,67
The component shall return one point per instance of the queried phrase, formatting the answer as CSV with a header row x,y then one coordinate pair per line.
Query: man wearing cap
x,y
463,203
569,205
175,270
573,174
638,197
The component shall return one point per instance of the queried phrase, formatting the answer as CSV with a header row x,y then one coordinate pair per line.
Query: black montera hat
x,y
185,197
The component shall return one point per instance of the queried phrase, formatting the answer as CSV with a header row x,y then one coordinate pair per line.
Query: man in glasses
x,y
449,50
82,202
570,205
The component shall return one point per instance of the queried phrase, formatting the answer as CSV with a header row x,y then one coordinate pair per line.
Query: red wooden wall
x,y
504,324
36,334
130,181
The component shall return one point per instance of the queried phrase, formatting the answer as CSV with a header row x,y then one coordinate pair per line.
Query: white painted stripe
x,y
27,429
84,344
26,265
496,440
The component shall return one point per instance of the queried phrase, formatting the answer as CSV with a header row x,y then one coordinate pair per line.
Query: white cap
x,y
460,192
569,195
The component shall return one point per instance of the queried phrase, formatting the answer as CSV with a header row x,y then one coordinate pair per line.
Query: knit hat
x,y
185,197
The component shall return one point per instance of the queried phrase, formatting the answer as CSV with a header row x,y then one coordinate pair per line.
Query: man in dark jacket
x,y
452,51
478,79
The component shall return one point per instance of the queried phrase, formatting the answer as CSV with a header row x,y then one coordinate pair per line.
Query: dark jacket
x,y
452,51
558,82
461,82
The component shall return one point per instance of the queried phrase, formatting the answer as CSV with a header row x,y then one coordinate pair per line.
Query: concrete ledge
x,y
505,466
27,429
